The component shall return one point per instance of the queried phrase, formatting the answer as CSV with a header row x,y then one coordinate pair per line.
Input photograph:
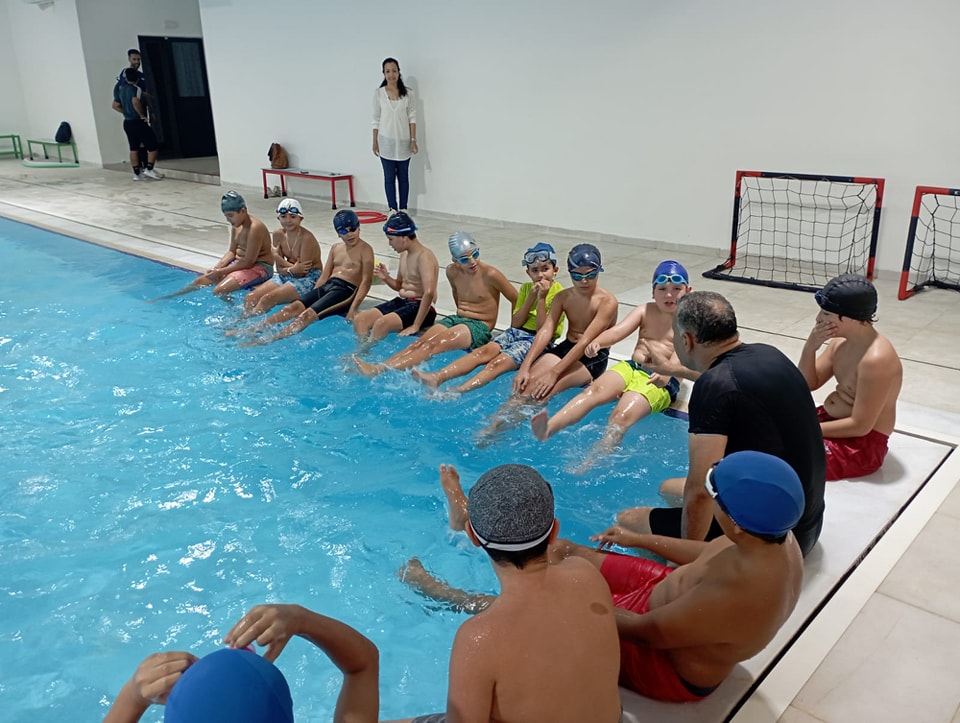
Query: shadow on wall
x,y
420,163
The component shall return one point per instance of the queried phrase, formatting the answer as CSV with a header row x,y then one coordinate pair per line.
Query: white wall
x,y
109,28
49,58
621,116
13,115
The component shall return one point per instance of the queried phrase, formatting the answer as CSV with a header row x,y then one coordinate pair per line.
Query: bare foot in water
x,y
450,481
539,423
415,575
427,379
366,368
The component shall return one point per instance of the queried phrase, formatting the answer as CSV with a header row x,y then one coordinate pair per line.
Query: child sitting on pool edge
x,y
509,348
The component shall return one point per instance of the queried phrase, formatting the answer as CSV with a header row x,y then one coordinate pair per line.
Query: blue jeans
x,y
396,173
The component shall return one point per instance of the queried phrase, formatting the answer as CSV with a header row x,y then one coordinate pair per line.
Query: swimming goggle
x,y
577,276
712,490
532,257
344,230
467,258
289,209
669,279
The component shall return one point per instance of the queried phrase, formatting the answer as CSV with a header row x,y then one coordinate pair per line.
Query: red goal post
x,y
932,254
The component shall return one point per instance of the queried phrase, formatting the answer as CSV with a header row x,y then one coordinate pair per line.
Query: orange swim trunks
x,y
853,456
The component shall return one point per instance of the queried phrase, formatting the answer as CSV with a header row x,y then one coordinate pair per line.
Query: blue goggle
x,y
467,258
577,276
344,230
532,257
289,209
669,279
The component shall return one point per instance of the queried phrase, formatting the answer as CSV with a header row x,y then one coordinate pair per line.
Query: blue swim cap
x,y
232,201
670,268
540,252
345,221
230,685
584,255
400,224
761,493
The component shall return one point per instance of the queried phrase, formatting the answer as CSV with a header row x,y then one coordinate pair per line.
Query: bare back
x,y
726,606
545,651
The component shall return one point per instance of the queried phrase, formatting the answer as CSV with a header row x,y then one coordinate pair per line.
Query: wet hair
x,y
401,88
707,315
133,51
519,559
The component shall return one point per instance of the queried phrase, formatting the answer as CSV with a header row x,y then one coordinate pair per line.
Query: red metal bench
x,y
283,173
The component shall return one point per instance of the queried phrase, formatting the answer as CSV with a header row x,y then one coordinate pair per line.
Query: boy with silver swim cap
x,y
415,283
858,417
508,349
238,685
248,261
476,288
560,615
638,390
297,258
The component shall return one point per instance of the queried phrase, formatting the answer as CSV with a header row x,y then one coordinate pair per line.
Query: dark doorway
x,y
181,116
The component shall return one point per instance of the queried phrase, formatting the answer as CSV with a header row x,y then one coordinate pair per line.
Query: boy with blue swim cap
x,y
477,288
508,349
411,311
639,390
237,685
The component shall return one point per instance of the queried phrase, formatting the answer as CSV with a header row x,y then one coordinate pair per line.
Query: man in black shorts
x,y
747,397
136,127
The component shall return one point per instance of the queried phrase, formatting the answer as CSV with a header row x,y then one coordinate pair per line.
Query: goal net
x,y
932,257
798,231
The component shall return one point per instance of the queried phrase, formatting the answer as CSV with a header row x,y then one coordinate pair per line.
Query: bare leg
x,y
636,519
631,408
511,414
604,389
414,575
450,481
269,298
458,367
301,321
672,490
288,312
363,322
436,340
500,365
200,282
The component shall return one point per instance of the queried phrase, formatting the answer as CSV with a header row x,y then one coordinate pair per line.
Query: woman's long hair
x,y
400,86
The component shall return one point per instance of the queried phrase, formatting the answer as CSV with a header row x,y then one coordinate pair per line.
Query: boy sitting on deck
x,y
509,348
476,288
640,391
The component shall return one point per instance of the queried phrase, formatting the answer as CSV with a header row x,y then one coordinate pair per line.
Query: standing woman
x,y
394,133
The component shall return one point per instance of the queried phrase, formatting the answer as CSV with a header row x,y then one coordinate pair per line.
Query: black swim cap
x,y
849,295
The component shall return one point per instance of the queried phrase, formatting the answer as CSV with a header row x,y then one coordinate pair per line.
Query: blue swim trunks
x,y
515,343
302,284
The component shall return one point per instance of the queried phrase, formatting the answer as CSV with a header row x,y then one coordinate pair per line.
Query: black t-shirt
x,y
759,400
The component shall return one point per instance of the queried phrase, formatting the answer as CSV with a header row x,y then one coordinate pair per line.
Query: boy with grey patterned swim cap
x,y
556,617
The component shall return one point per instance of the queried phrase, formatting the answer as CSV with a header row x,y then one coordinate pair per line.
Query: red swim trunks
x,y
853,456
643,669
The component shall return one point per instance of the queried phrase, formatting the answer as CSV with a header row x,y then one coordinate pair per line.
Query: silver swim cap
x,y
461,243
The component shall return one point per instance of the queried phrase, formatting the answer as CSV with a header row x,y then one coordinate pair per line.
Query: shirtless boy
x,y
682,630
249,260
545,650
640,390
476,288
416,286
509,348
547,370
344,283
296,255
859,415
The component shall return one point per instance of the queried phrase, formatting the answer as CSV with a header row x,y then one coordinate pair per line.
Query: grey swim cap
x,y
232,201
461,243
511,508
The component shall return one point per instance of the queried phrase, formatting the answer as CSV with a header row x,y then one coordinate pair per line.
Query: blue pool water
x,y
158,481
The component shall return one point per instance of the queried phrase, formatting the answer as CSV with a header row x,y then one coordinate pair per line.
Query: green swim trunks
x,y
637,379
479,332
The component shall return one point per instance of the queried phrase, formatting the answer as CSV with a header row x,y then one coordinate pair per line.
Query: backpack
x,y
64,134
277,156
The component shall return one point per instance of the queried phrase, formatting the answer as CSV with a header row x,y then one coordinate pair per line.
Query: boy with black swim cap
x,y
546,648
859,415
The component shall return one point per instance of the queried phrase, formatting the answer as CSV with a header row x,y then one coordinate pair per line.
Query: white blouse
x,y
393,118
